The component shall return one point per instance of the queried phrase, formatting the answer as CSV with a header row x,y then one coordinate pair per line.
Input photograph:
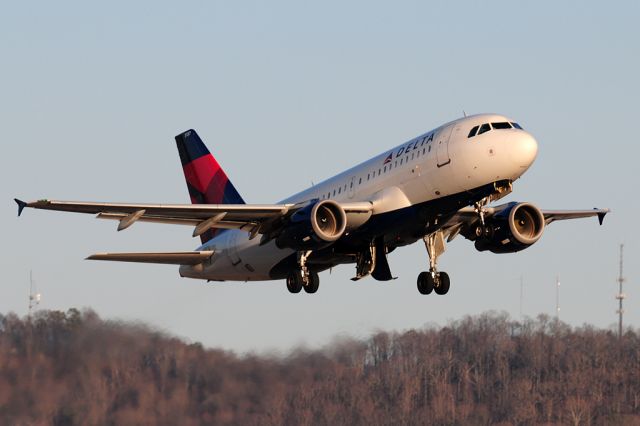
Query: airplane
x,y
433,187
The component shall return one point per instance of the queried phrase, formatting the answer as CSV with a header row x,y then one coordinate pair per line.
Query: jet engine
x,y
511,229
313,227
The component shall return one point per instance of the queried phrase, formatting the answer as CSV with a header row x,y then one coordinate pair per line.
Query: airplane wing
x,y
467,218
253,218
553,215
170,258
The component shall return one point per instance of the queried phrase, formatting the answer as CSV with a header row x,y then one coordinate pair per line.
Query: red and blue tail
x,y
206,181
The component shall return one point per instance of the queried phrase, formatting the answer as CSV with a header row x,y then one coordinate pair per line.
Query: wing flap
x,y
167,258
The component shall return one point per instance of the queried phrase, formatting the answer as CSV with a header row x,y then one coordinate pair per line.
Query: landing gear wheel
x,y
443,284
425,283
294,281
314,283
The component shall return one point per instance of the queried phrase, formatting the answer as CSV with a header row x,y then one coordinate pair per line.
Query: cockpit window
x,y
484,128
473,131
516,125
501,125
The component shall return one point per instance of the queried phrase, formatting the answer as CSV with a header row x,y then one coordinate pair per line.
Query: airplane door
x,y
352,187
442,146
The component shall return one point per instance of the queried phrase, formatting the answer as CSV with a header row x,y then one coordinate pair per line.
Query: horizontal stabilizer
x,y
169,258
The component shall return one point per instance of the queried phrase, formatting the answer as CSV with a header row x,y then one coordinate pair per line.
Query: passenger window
x,y
334,192
501,125
339,190
368,176
360,181
516,125
484,128
473,131
423,151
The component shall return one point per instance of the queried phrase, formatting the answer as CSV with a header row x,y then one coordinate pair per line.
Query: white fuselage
x,y
436,164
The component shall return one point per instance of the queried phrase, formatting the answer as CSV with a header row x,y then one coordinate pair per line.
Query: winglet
x,y
601,215
21,205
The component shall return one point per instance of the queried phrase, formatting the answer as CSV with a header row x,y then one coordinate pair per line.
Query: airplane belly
x,y
241,259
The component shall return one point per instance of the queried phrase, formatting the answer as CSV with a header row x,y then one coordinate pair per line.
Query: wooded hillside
x,y
74,368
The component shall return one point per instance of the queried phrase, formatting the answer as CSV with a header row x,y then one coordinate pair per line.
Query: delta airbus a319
x,y
432,188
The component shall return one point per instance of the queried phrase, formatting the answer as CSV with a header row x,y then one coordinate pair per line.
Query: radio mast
x,y
620,296
34,298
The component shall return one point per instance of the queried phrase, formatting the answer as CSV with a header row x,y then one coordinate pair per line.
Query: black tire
x,y
294,282
443,286
314,283
425,283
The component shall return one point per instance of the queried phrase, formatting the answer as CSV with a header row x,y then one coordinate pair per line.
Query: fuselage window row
x,y
372,175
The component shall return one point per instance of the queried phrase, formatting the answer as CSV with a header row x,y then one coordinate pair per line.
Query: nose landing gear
x,y
434,280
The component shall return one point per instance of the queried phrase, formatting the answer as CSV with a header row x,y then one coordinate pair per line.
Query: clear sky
x,y
286,93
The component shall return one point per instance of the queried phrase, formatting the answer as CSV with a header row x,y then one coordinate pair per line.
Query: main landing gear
x,y
483,230
434,280
303,278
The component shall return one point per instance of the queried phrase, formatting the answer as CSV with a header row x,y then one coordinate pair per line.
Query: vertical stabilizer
x,y
206,181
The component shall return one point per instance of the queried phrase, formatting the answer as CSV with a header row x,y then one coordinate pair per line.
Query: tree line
x,y
68,368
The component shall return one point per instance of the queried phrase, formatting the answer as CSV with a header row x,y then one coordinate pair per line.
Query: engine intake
x,y
512,229
313,227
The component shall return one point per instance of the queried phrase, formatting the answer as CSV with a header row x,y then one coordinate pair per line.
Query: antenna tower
x,y
620,296
34,298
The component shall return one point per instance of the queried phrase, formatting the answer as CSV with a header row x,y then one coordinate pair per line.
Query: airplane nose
x,y
523,150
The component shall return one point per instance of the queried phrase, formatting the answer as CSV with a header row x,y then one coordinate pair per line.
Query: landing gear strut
x,y
434,280
302,263
483,230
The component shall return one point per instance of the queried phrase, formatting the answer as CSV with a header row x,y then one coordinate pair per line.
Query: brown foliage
x,y
74,368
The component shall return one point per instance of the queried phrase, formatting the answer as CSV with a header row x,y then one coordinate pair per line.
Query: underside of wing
x,y
169,258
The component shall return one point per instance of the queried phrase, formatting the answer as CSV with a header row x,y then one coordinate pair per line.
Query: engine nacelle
x,y
313,227
512,229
